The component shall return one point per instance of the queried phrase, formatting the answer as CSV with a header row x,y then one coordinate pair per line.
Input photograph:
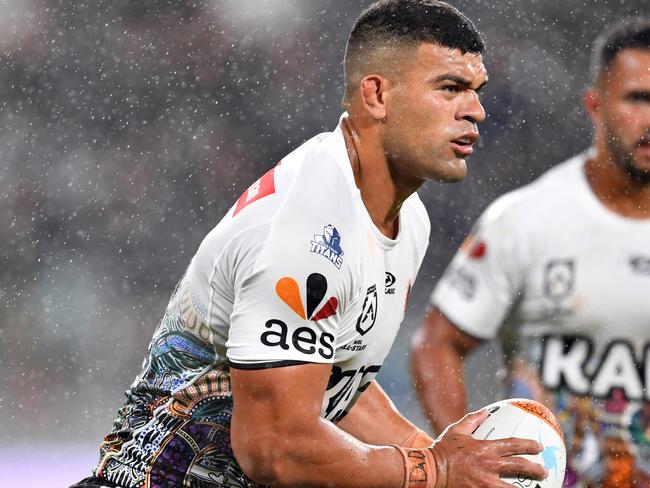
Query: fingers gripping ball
x,y
528,419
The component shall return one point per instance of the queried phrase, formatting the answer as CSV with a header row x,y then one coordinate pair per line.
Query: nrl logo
x,y
328,245
559,278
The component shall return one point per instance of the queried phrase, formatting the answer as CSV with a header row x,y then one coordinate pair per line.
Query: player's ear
x,y
591,101
372,90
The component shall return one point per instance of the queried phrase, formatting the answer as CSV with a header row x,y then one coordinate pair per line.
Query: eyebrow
x,y
460,80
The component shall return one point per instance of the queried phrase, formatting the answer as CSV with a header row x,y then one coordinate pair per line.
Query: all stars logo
x,y
368,312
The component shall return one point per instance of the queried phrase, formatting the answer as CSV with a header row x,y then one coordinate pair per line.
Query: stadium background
x,y
128,128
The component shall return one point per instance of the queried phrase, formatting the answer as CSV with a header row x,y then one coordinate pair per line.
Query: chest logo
x,y
328,245
368,312
559,278
390,282
640,264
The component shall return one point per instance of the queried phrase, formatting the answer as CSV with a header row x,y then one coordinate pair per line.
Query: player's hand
x,y
465,462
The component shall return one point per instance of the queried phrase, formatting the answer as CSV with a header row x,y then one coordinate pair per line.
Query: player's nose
x,y
473,109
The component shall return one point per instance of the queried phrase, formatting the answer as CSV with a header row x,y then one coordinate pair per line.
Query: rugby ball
x,y
528,419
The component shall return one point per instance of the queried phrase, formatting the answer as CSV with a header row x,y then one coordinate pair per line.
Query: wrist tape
x,y
423,468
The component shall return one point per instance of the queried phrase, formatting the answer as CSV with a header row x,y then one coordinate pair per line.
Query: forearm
x,y
279,437
327,456
439,383
375,420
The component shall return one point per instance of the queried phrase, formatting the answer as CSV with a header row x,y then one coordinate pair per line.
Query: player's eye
x,y
638,96
451,88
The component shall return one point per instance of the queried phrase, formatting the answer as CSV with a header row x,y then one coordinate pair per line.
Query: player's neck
x,y
380,192
617,191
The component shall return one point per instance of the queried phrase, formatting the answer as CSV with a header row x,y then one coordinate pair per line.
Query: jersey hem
x,y
268,365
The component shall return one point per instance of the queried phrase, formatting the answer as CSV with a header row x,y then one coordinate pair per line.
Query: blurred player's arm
x,y
280,439
437,356
374,419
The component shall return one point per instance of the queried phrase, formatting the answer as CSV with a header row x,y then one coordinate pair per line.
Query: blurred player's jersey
x,y
565,282
296,272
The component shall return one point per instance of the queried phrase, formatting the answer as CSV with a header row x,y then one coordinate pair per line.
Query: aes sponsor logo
x,y
304,339
565,360
328,245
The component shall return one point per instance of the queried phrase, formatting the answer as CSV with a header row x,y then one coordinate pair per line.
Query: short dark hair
x,y
389,23
625,34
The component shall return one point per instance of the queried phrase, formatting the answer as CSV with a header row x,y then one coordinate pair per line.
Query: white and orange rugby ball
x,y
528,419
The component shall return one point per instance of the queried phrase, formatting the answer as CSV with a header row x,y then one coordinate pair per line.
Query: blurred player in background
x,y
560,271
261,371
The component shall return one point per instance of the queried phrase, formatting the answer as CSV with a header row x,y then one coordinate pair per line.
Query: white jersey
x,y
570,280
297,272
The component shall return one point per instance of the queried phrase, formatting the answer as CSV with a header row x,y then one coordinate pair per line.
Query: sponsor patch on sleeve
x,y
263,187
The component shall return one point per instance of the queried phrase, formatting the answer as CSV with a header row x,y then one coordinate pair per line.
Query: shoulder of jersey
x,y
315,172
300,179
545,195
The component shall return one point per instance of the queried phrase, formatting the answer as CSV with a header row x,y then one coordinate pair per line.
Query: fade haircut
x,y
387,27
633,33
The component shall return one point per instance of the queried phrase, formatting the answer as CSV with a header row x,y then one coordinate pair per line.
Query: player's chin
x,y
639,168
642,163
453,170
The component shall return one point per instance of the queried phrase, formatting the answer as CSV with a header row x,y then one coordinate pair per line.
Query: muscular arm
x,y
437,358
375,420
279,437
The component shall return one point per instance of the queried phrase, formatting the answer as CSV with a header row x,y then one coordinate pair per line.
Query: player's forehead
x,y
630,67
435,59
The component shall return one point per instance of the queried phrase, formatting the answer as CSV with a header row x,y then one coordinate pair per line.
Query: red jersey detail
x,y
328,309
478,251
263,187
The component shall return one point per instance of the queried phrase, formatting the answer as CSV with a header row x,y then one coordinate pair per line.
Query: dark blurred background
x,y
128,128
